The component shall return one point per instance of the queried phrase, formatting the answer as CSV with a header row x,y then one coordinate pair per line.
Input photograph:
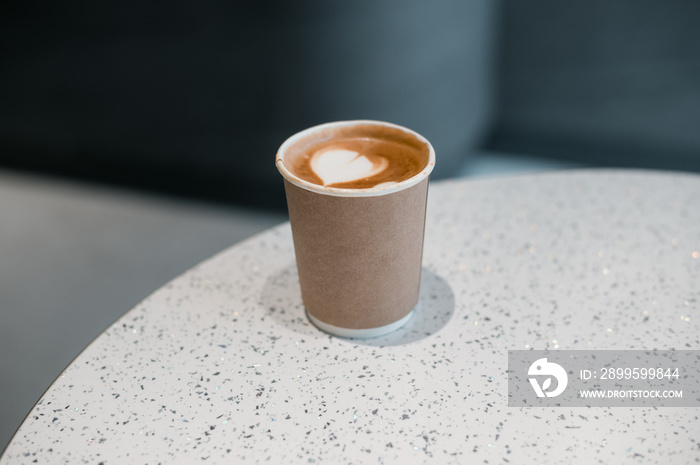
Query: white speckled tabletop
x,y
221,365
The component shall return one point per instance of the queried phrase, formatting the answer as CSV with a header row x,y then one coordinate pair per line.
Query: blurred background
x,y
137,138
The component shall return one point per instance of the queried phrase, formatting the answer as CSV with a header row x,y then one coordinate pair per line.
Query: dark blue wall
x,y
609,82
195,97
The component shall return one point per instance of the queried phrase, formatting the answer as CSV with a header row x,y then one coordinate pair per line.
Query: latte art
x,y
338,165
358,157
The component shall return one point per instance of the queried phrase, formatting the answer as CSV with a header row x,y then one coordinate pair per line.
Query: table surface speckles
x,y
221,364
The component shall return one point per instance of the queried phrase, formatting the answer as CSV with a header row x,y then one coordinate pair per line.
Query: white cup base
x,y
359,333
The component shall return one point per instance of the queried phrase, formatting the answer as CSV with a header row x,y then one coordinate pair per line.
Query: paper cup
x,y
358,251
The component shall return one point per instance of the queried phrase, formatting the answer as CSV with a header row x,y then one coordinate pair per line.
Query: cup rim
x,y
367,192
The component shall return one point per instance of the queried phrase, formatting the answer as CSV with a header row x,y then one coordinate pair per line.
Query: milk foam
x,y
337,165
366,155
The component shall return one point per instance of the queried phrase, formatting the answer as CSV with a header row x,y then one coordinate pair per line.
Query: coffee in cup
x,y
357,194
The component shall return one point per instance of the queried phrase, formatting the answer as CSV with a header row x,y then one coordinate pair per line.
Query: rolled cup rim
x,y
366,192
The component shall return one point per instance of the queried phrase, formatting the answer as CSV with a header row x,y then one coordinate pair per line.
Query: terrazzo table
x,y
221,365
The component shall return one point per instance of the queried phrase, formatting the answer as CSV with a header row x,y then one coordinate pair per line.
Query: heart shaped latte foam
x,y
335,166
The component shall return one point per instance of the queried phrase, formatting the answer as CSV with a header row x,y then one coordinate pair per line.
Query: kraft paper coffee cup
x,y
358,251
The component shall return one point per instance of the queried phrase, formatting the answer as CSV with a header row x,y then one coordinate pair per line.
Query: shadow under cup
x,y
358,251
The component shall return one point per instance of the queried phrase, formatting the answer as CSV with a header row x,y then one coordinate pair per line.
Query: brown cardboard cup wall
x,y
359,258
